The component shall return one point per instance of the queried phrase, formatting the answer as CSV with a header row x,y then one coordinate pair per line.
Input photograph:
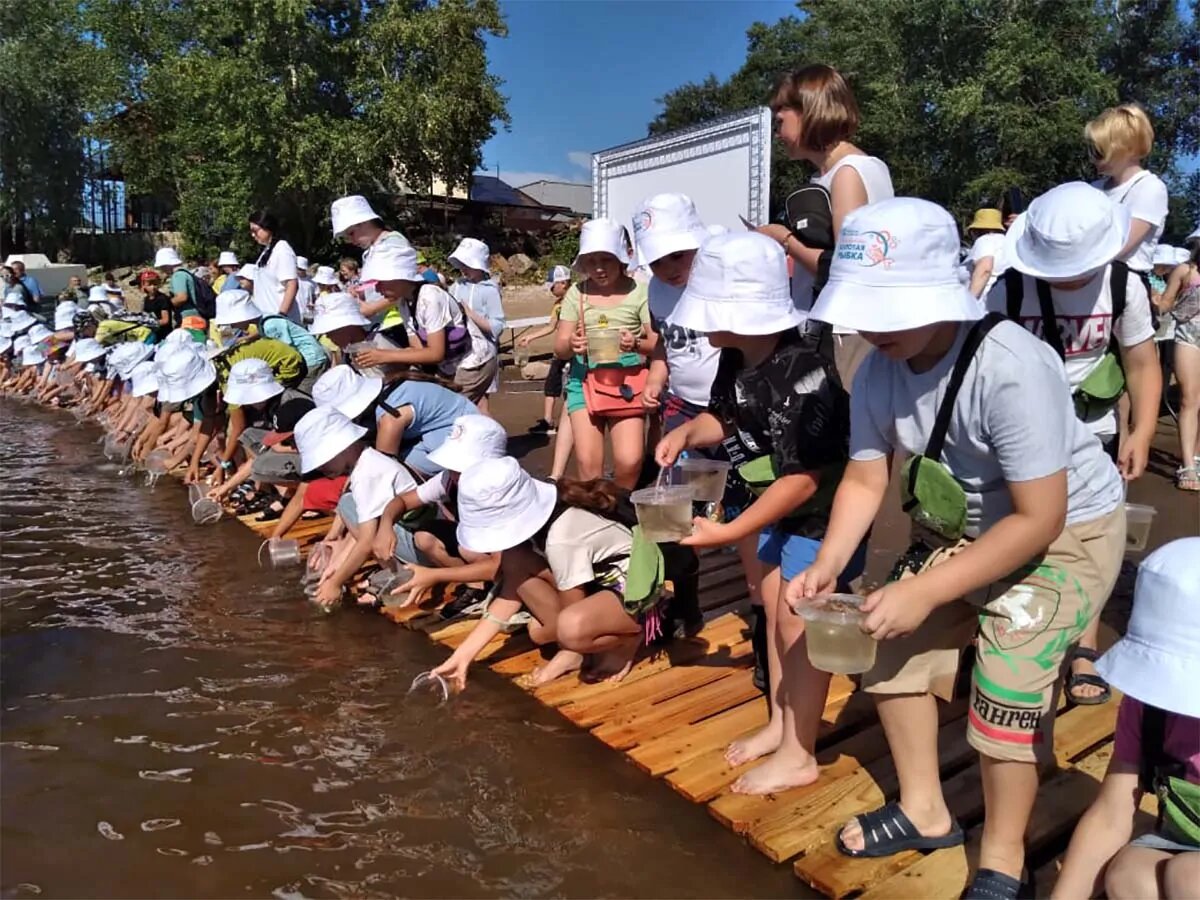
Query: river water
x,y
178,723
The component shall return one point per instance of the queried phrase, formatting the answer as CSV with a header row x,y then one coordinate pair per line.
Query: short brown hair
x,y
822,98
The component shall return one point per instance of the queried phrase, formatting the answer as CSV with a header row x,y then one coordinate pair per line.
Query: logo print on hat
x,y
868,248
643,221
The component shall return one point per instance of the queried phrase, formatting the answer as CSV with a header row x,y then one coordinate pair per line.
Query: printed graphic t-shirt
x,y
691,359
630,314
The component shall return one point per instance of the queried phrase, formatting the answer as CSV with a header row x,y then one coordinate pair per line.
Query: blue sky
x,y
583,75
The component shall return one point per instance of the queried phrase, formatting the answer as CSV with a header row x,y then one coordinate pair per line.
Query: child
x,y
237,314
605,298
780,397
1016,511
479,298
985,261
1156,665
558,279
1064,284
338,321
1180,302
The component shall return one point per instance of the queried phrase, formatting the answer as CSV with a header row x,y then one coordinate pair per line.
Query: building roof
x,y
490,189
571,195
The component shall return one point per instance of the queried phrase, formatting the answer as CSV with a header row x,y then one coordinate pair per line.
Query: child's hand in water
x,y
192,476
455,672
328,594
419,586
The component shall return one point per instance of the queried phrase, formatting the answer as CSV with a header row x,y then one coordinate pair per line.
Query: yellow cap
x,y
986,220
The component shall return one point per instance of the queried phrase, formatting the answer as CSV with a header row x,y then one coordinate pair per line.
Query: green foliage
x,y
966,98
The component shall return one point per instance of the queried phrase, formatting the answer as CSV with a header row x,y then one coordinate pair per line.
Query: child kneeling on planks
x,y
1018,529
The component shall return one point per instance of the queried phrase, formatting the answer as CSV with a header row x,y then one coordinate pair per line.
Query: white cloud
x,y
581,159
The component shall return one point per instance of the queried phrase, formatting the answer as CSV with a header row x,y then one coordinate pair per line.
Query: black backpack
x,y
204,296
809,212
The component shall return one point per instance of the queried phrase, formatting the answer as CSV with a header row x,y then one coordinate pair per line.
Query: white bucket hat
x,y
249,271
1164,255
557,274
321,434
500,505
346,391
602,236
14,299
666,224
251,381
325,275
391,262
472,439
20,343
714,230
123,358
471,253
227,258
145,379
235,306
20,320
115,288
39,333
1068,231
182,376
334,311
88,349
6,329
896,267
64,315
33,355
5,344
97,294
166,256
1194,236
739,283
352,210
1158,659
302,264
1182,255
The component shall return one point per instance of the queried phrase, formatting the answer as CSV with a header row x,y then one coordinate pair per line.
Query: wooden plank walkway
x,y
676,711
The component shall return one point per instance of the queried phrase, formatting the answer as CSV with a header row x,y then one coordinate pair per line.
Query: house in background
x,y
572,195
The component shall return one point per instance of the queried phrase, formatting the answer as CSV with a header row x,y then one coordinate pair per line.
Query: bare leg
x,y
564,443
599,624
767,739
1138,872
629,448
1088,640
1187,371
589,445
1009,789
1180,876
482,405
548,409
525,572
910,722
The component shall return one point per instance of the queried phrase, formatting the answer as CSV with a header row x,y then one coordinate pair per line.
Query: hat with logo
x,y
472,439
321,434
500,505
347,391
336,310
666,224
234,307
347,211
251,381
739,283
557,274
391,262
471,253
1070,230
182,375
325,275
227,258
166,256
144,378
602,236
64,315
1157,661
986,220
87,349
896,267
249,271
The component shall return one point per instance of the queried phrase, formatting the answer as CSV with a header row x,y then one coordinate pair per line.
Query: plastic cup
x,y
280,553
836,641
520,356
319,559
604,345
115,448
362,347
706,477
435,683
1138,519
204,510
664,512
156,461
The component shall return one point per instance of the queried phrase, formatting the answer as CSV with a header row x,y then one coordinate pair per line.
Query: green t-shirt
x,y
286,362
184,283
630,314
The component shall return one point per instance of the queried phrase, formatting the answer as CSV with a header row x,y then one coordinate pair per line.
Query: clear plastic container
x,y
281,553
520,356
361,347
204,510
706,477
664,512
436,684
156,461
115,449
833,629
318,559
604,345
1138,520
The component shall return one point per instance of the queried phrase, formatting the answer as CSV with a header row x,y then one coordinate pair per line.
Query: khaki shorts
x,y
475,383
1023,627
849,351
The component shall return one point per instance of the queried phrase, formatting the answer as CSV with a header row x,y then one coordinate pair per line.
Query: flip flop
x,y
988,884
1076,679
887,831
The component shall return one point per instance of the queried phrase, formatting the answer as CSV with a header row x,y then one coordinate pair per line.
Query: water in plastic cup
x,y
280,553
836,642
604,345
1138,520
664,512
206,511
156,461
706,477
520,356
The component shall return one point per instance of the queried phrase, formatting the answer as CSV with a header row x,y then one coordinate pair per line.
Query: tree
x,y
965,98
290,103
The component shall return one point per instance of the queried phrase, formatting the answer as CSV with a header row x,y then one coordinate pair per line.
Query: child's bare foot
x,y
765,740
564,661
614,665
779,773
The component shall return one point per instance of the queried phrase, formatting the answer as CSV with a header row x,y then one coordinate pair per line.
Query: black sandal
x,y
1078,679
270,514
887,831
988,884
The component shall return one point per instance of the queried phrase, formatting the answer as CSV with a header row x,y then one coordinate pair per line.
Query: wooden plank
x,y
680,746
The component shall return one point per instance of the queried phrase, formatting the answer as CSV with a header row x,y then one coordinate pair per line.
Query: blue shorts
x,y
793,554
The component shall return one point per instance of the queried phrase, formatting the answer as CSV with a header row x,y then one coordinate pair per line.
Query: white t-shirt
x,y
435,490
1085,324
1145,196
436,310
691,359
482,297
878,183
582,547
996,434
376,480
986,245
271,277
306,297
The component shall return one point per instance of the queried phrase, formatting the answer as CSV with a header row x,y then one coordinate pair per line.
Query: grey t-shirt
x,y
1013,421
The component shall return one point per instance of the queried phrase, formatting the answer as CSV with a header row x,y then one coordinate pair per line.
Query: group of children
x,y
1000,407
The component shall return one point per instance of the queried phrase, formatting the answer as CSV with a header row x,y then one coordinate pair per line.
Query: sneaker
x,y
541,426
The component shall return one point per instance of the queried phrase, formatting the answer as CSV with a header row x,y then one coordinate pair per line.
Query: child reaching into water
x,y
780,397
1157,746
1018,528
